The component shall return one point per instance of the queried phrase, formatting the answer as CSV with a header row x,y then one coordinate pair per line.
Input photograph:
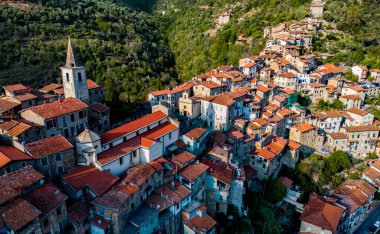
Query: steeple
x,y
71,60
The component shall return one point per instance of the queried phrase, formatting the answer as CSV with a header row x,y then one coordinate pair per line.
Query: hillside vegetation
x,y
199,43
123,49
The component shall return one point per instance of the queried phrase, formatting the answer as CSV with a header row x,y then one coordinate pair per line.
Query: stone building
x,y
53,155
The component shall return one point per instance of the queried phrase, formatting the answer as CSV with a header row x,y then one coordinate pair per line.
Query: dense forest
x,y
134,46
123,49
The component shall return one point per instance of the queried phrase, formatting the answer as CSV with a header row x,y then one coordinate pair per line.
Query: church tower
x,y
74,76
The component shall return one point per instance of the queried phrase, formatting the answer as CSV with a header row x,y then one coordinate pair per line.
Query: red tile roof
x,y
15,130
79,211
25,96
50,87
287,75
361,128
6,104
159,202
82,176
249,65
14,88
277,146
220,171
91,84
210,84
100,222
18,213
357,111
183,158
127,128
99,107
285,181
17,180
351,97
48,146
221,99
266,154
262,88
304,127
175,191
138,174
46,198
249,172
193,171
58,108
293,144
322,214
9,154
201,225
195,133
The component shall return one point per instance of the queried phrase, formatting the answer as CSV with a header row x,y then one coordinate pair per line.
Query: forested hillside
x,y
200,44
123,49
135,46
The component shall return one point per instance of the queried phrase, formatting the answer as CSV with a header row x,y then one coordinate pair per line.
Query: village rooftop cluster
x,y
202,145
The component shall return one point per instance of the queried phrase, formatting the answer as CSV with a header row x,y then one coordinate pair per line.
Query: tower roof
x,y
87,136
71,59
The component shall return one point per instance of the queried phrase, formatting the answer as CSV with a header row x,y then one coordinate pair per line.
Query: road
x,y
369,221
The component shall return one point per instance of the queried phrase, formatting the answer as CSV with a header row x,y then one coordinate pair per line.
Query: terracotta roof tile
x,y
50,87
91,84
159,202
361,128
18,179
58,108
46,198
338,135
262,88
195,133
201,224
357,111
79,211
14,88
6,104
183,158
82,176
132,126
351,97
293,144
221,99
99,107
304,127
322,214
193,171
219,170
18,213
9,154
210,84
138,174
48,146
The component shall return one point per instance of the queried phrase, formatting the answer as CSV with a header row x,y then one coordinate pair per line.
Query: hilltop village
x,y
203,146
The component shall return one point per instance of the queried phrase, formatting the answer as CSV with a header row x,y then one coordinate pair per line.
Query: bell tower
x,y
74,76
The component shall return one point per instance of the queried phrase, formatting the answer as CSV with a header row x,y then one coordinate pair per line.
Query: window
x,y
121,160
23,164
132,205
46,222
60,170
67,77
8,169
170,135
66,133
51,123
44,161
72,116
82,114
58,212
58,156
79,77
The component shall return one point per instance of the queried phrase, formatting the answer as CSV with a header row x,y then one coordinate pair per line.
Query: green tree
x,y
336,162
274,191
